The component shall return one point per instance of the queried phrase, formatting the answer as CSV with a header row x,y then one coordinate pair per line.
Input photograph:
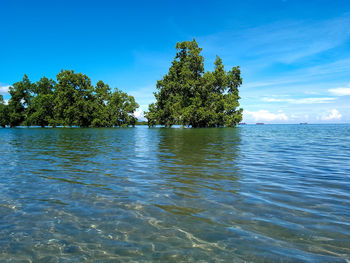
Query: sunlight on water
x,y
255,193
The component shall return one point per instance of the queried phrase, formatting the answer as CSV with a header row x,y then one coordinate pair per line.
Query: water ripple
x,y
267,193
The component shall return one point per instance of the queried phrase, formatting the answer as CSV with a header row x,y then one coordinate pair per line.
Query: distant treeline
x,y
70,101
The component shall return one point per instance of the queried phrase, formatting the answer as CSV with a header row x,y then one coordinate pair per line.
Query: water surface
x,y
277,193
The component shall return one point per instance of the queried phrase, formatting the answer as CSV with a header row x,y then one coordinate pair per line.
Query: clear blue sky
x,y
294,54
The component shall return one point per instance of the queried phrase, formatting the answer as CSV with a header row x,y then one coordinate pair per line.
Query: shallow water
x,y
277,193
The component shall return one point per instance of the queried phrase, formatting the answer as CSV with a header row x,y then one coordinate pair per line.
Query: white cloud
x,y
264,115
4,89
300,101
139,114
340,91
332,115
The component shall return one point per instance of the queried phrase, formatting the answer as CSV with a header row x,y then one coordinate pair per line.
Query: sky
x,y
294,54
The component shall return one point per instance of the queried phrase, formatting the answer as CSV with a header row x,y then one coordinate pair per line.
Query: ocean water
x,y
269,193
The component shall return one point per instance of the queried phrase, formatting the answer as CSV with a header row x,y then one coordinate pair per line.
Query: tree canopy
x,y
4,116
189,96
71,101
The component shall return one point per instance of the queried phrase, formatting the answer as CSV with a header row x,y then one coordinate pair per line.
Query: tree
x,y
73,99
102,95
20,100
188,96
112,108
121,108
41,110
4,116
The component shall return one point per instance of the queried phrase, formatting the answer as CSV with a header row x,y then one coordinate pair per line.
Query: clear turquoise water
x,y
271,193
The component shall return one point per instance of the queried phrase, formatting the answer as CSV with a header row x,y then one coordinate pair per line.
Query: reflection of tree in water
x,y
200,167
76,156
206,153
72,144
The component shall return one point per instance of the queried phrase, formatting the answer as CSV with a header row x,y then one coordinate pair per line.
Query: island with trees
x,y
187,96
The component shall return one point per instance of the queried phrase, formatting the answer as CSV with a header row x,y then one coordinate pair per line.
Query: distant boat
x,y
242,123
303,123
260,123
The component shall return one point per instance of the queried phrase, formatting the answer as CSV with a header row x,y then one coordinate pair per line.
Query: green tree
x,y
121,108
102,95
73,99
4,116
188,96
20,100
112,108
41,109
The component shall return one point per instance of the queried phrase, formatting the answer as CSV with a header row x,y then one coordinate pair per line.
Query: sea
x,y
254,193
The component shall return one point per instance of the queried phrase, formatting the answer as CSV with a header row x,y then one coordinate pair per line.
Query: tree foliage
x,y
41,109
71,101
189,96
4,116
20,100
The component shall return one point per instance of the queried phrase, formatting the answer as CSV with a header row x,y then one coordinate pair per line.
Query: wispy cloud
x,y
308,92
283,41
304,76
340,91
300,101
302,117
264,115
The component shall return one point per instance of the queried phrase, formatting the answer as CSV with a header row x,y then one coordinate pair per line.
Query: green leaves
x,y
4,115
190,97
72,101
121,107
186,95
20,99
